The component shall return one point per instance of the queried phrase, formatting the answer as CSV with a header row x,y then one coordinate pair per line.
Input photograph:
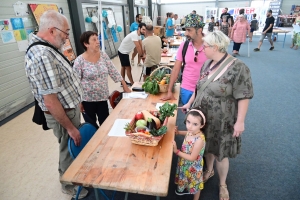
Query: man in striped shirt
x,y
56,86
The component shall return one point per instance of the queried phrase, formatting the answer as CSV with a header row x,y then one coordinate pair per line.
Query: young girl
x,y
224,27
189,178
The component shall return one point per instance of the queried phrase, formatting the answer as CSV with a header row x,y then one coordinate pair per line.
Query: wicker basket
x,y
143,139
162,88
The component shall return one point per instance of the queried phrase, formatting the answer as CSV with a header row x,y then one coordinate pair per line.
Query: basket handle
x,y
160,68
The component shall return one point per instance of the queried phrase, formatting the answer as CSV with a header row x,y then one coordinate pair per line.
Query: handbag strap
x,y
223,65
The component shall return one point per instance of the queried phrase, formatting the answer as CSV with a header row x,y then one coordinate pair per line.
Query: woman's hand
x,y
174,147
81,108
185,108
239,128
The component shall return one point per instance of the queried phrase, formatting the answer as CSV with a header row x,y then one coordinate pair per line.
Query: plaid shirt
x,y
49,73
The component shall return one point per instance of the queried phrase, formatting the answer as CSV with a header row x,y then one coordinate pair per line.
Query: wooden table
x,y
114,163
276,32
166,60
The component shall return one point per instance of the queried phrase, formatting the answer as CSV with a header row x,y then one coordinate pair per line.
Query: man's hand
x,y
264,32
169,96
81,108
75,135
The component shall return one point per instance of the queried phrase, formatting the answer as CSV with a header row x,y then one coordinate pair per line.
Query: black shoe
x,y
271,49
256,49
181,193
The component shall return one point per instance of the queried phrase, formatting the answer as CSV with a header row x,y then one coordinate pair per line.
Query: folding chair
x,y
86,131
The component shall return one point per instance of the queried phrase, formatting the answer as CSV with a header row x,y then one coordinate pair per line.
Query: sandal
x,y
211,174
223,196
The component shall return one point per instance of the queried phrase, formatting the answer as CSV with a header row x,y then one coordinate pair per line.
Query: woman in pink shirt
x,y
238,33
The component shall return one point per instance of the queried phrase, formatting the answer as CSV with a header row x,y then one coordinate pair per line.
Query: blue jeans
x,y
185,95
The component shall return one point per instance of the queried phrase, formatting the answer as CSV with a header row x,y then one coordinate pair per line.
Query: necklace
x,y
207,71
193,134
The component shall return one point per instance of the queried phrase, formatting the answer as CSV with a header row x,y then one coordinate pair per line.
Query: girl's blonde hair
x,y
217,38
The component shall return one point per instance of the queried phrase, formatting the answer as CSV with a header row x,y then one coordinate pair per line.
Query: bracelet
x,y
177,151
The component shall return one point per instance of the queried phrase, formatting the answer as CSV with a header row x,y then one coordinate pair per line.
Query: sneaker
x,y
72,190
256,49
181,193
140,65
271,49
132,63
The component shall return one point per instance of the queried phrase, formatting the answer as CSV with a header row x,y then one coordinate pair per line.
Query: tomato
x,y
139,115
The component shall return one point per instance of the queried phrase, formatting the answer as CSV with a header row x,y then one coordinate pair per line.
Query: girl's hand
x,y
238,129
176,130
174,147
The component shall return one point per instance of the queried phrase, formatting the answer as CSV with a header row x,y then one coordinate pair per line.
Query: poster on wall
x,y
275,7
21,9
39,9
249,11
210,12
7,37
5,25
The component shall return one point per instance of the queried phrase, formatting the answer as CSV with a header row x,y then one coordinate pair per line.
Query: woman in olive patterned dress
x,y
224,102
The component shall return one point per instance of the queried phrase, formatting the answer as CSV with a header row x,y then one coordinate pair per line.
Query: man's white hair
x,y
51,18
219,39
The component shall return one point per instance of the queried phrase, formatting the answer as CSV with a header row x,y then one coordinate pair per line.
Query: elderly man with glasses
x,y
55,86
193,59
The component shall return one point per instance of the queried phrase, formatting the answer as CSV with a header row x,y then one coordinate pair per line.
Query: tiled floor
x,y
29,155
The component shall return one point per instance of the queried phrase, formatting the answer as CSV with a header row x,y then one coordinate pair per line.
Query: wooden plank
x,y
115,163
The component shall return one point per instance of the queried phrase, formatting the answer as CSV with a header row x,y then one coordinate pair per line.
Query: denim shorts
x,y
185,95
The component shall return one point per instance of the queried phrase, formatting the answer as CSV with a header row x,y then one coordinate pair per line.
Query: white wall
x,y
15,92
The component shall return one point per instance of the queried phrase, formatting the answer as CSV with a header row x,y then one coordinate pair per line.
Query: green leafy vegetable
x,y
166,110
159,132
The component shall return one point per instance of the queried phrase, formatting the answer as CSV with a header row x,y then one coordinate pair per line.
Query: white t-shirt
x,y
173,21
127,44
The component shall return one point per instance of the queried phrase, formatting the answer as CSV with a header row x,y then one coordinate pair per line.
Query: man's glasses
x,y
196,58
62,31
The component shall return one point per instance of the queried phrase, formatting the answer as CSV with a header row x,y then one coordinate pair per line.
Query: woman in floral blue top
x,y
93,68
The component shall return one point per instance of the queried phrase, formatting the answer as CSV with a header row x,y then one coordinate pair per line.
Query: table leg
x,y
157,198
284,40
96,194
126,196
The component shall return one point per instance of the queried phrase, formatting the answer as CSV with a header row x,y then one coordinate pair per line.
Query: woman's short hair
x,y
217,38
84,38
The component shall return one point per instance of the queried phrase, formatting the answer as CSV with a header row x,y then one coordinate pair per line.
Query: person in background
x,y
217,24
56,87
194,12
131,41
211,24
163,39
238,34
226,14
194,59
296,33
175,17
267,31
224,102
253,26
93,68
152,55
167,14
230,25
224,27
170,26
134,26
